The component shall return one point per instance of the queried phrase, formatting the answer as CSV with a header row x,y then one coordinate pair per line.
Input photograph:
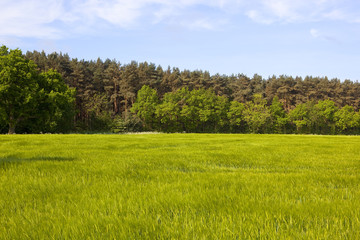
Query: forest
x,y
108,96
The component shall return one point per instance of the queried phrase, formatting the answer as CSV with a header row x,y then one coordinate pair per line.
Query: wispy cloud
x,y
29,18
59,18
302,10
315,33
55,18
259,17
284,10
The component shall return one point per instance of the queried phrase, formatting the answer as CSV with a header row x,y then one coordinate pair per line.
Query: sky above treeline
x,y
267,37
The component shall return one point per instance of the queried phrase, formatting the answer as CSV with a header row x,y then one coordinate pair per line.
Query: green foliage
x,y
315,118
172,101
55,105
145,106
236,117
324,117
300,116
169,111
34,102
279,118
347,120
97,118
179,186
203,110
127,123
18,87
115,86
257,115
191,111
222,105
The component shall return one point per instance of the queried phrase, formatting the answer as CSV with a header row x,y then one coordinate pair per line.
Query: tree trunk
x,y
126,104
11,128
12,124
116,109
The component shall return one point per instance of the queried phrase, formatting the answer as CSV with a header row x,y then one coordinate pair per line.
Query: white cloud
x,y
285,10
29,18
55,18
335,14
315,33
280,8
58,18
258,17
202,24
301,11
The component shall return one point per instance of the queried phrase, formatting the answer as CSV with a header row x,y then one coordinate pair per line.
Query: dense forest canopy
x,y
108,99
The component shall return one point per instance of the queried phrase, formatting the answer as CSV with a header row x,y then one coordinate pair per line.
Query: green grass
x,y
179,186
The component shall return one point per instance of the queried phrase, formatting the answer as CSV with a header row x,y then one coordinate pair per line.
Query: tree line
x,y
106,91
201,110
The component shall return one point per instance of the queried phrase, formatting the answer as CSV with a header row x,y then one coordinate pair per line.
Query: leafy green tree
x,y
190,112
236,117
193,111
357,124
56,101
37,102
347,120
203,111
121,83
168,112
324,112
257,115
300,117
222,105
278,116
145,106
18,87
204,103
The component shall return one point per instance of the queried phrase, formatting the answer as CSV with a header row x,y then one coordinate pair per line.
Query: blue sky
x,y
292,37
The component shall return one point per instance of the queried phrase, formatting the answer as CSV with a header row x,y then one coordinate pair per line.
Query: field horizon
x,y
179,186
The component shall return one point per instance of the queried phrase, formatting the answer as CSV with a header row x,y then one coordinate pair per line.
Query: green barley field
x,y
179,186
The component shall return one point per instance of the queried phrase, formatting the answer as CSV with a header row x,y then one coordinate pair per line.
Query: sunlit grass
x,y
180,186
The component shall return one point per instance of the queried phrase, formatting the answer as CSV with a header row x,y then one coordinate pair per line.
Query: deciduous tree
x,y
18,87
28,97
